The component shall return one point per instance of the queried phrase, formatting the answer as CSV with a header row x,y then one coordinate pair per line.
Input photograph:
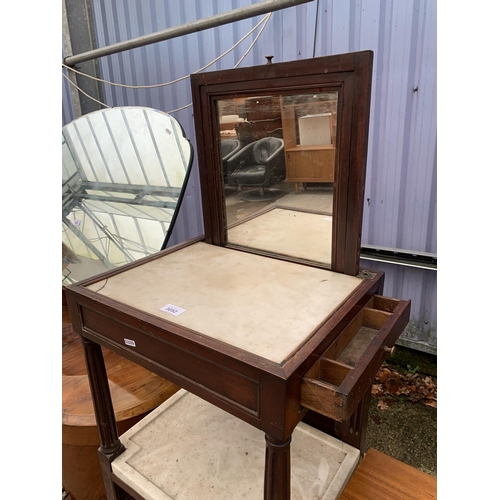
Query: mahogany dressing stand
x,y
268,335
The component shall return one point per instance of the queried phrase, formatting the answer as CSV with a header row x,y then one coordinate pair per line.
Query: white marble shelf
x,y
188,449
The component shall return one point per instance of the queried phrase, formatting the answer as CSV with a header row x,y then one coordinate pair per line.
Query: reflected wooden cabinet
x,y
309,132
310,164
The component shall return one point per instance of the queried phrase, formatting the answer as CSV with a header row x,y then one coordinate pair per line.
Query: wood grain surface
x,y
135,392
380,477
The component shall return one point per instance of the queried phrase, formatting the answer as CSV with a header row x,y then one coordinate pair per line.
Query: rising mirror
x,y
282,157
124,172
278,163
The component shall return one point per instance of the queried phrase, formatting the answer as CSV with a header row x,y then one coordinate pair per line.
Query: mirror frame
x,y
350,74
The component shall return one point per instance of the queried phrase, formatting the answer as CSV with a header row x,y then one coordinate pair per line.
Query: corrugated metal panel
x,y
400,192
400,208
419,285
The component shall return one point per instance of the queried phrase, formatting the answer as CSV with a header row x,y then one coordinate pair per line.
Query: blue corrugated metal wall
x,y
400,205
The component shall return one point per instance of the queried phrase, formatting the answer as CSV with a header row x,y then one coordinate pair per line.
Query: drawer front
x,y
338,381
185,368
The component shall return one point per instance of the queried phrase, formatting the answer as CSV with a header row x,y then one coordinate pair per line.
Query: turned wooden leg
x,y
296,188
111,446
277,474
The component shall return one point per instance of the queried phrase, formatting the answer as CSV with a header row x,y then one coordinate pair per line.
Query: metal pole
x,y
75,95
210,22
79,36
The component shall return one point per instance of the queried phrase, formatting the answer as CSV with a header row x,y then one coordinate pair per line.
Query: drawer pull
x,y
390,350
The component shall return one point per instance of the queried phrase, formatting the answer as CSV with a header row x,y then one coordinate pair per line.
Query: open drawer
x,y
338,381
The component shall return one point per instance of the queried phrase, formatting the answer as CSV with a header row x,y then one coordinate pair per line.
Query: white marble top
x,y
188,449
262,305
287,232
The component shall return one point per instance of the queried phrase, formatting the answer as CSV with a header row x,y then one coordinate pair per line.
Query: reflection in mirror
x,y
124,172
278,161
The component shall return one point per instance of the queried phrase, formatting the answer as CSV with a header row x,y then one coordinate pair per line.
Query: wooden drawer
x,y
337,382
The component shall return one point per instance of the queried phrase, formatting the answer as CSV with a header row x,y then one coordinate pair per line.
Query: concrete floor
x,y
317,197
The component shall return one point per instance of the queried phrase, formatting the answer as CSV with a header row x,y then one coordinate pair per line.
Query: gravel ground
x,y
404,427
405,431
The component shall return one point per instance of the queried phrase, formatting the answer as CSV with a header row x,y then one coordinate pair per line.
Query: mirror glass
x,y
278,164
124,171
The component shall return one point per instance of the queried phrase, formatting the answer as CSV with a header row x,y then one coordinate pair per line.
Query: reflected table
x,y
297,233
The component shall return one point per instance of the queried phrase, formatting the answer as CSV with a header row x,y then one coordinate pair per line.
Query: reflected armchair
x,y
228,147
259,164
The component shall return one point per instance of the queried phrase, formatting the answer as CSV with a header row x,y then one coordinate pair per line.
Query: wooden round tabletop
x,y
135,392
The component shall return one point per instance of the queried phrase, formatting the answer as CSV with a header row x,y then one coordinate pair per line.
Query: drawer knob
x,y
390,350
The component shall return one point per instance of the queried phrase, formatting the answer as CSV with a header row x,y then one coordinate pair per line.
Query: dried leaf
x,y
392,387
384,374
428,381
414,386
414,397
382,405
